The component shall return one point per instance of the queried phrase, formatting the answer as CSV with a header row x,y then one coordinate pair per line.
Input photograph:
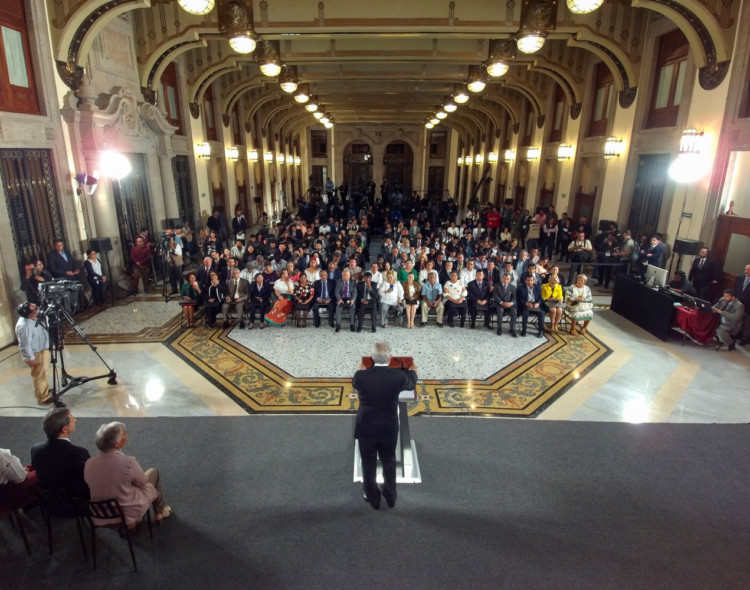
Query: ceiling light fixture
x,y
312,104
459,94
303,94
477,79
243,42
429,125
449,105
500,52
328,124
318,115
433,119
533,33
583,6
199,7
440,113
288,79
268,60
324,119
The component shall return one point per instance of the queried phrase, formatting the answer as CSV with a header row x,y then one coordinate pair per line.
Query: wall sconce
x,y
509,155
564,152
492,157
479,159
691,141
533,153
252,155
267,157
613,148
297,160
203,150
280,159
460,161
232,153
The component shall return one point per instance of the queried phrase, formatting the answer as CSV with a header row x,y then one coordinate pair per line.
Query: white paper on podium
x,y
407,396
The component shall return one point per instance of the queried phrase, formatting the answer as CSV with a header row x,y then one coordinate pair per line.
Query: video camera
x,y
56,295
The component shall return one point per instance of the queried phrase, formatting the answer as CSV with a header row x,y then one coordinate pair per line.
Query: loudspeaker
x,y
101,244
171,223
686,247
604,224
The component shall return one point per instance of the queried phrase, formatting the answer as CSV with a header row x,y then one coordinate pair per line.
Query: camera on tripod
x,y
58,294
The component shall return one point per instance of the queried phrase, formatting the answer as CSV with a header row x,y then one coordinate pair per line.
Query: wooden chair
x,y
58,503
110,510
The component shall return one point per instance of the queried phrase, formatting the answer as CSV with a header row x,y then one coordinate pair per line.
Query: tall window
x,y
438,142
669,79
208,114
17,87
528,130
171,97
559,112
318,144
604,92
237,134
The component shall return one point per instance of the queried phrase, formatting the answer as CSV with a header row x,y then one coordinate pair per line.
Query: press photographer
x,y
171,248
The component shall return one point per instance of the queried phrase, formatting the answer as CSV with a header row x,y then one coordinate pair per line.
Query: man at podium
x,y
376,425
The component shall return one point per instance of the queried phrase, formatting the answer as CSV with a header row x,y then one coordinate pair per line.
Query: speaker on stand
x,y
683,246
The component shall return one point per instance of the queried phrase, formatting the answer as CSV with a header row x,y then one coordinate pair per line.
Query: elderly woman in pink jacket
x,y
113,474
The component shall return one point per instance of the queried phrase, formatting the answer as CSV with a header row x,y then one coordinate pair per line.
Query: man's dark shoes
x,y
242,325
523,332
375,505
514,335
499,332
359,329
338,328
471,325
390,499
373,330
731,346
351,328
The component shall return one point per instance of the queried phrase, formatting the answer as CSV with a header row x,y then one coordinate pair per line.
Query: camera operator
x,y
33,342
175,260
95,277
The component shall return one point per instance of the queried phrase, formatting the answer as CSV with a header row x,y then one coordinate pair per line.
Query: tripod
x,y
62,382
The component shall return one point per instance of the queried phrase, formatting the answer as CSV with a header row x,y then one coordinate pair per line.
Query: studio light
x,y
114,165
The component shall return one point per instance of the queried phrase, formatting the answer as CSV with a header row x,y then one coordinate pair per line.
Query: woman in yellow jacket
x,y
552,295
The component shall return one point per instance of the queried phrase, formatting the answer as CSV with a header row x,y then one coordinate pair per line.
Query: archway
x,y
357,165
398,166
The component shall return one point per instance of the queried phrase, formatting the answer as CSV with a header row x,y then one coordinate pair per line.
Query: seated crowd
x,y
318,267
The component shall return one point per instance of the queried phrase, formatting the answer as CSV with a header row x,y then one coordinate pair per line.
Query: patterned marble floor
x,y
642,380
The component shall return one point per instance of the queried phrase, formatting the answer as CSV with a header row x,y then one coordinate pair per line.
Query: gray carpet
x,y
268,502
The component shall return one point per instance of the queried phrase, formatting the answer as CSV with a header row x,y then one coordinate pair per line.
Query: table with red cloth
x,y
699,326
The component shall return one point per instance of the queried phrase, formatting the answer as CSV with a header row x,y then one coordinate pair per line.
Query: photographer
x,y
95,277
32,279
33,342
175,261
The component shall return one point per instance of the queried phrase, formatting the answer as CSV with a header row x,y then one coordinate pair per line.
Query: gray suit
x,y
348,297
731,320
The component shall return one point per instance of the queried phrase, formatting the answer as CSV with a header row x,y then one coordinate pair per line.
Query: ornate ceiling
x,y
388,62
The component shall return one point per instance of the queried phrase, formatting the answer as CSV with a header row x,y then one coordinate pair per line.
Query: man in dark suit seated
x,y
367,299
324,292
376,425
504,299
346,297
60,262
257,299
203,273
530,302
704,273
58,462
479,299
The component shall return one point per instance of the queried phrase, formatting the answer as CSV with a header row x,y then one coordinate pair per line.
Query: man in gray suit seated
x,y
346,297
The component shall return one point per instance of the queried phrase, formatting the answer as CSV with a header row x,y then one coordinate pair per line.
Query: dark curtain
x,y
132,204
648,194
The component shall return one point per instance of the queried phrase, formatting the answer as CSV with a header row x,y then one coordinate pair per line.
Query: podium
x,y
407,462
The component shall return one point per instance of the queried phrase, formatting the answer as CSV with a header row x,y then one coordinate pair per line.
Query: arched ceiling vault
x,y
380,68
